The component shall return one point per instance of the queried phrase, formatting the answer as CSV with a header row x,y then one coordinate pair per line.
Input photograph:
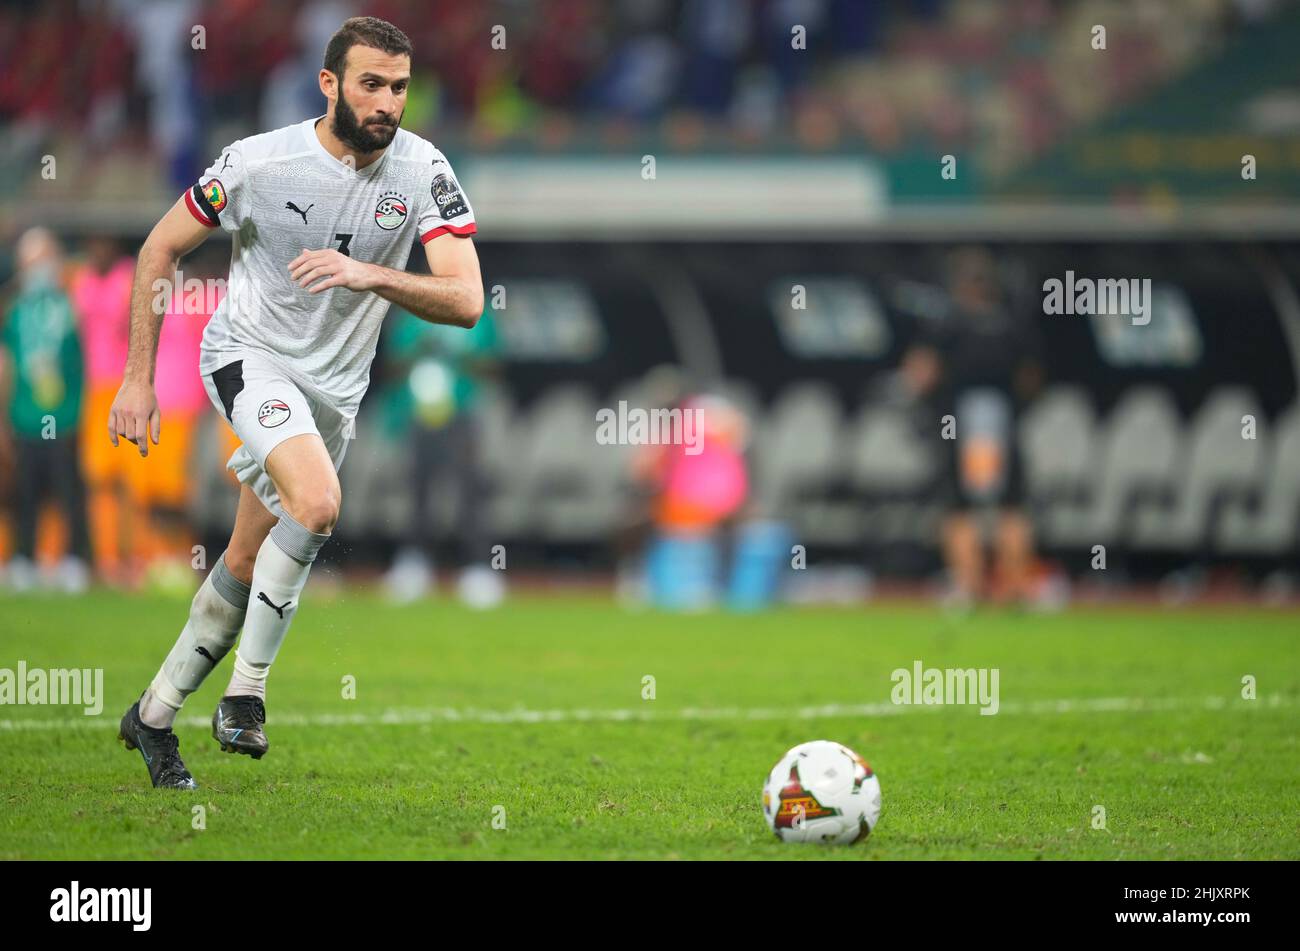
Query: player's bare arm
x,y
134,414
451,293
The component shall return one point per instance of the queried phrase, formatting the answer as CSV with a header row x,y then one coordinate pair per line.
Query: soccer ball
x,y
821,792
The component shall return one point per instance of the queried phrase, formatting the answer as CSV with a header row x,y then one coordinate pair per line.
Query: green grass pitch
x,y
533,715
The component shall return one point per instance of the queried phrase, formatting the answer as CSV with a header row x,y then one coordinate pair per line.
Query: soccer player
x,y
322,216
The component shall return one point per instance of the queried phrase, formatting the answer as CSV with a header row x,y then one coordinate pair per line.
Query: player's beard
x,y
363,138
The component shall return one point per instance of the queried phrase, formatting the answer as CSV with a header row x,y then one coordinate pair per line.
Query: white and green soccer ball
x,y
821,792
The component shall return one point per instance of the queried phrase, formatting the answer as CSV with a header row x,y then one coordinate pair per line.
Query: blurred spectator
x,y
438,374
976,367
162,31
560,52
291,91
697,486
101,297
160,484
40,405
697,491
1006,81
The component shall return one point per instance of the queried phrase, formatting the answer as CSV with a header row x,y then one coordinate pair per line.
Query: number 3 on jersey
x,y
344,240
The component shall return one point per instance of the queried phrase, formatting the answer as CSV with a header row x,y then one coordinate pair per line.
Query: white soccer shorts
x,y
265,407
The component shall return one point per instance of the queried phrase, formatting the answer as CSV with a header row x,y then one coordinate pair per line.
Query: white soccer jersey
x,y
280,192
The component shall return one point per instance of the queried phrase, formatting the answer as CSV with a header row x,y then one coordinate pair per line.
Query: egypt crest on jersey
x,y
390,213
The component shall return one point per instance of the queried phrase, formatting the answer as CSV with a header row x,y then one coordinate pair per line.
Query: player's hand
x,y
135,415
328,268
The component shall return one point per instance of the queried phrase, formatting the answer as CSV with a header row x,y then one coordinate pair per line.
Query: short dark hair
x,y
364,31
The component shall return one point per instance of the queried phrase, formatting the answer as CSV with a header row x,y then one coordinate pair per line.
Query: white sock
x,y
216,614
279,574
248,680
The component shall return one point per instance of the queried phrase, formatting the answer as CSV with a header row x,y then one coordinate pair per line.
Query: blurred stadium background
x,y
774,168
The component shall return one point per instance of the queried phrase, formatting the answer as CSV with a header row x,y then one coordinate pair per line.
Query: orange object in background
x,y
101,295
159,486
163,477
104,469
126,492
138,506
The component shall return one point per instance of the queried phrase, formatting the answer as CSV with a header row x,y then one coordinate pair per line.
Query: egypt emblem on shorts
x,y
390,213
272,413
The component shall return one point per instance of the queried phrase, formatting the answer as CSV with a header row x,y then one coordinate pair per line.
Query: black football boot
x,y
160,750
237,725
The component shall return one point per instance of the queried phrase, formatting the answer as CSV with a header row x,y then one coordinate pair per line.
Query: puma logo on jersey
x,y
302,211
227,162
278,608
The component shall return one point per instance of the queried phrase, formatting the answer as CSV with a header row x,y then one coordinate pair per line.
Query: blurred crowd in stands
x,y
1006,78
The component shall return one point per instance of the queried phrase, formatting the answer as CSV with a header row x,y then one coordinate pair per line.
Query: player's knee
x,y
317,510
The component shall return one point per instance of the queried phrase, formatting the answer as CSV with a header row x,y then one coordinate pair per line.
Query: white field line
x,y
647,713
